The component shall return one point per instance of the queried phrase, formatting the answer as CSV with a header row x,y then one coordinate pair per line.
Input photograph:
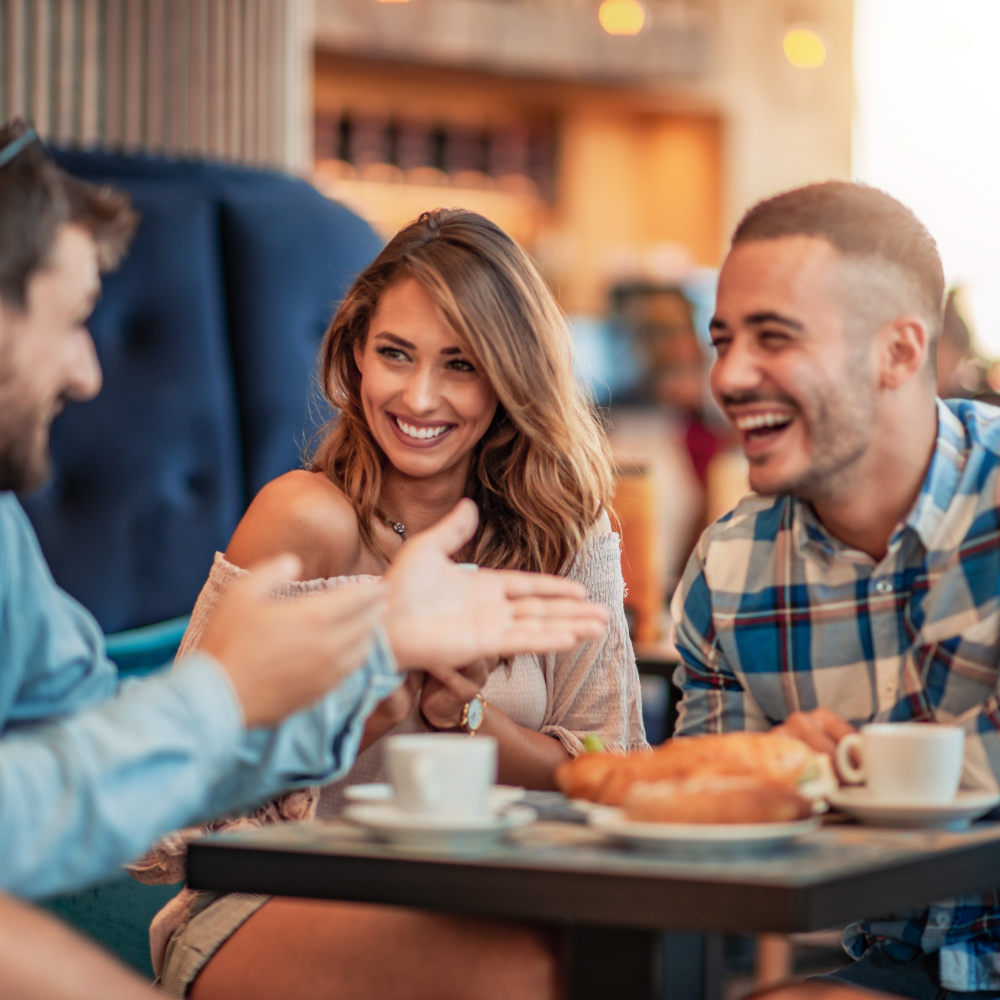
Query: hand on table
x,y
282,655
820,729
442,700
441,616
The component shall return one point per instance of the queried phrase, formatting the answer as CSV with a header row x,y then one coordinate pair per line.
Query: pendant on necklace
x,y
398,527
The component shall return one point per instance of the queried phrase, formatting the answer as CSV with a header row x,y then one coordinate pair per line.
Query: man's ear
x,y
903,345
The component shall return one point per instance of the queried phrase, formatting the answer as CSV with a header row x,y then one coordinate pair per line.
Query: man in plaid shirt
x,y
860,580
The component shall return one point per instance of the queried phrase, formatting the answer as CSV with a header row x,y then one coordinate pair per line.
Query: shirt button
x,y
883,587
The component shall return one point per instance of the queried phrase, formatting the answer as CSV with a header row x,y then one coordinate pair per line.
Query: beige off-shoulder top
x,y
591,689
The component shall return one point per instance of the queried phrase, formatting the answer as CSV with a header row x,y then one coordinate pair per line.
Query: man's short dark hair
x,y
860,222
36,198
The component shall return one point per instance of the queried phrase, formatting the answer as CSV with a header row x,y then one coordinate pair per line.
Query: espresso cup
x,y
442,774
916,762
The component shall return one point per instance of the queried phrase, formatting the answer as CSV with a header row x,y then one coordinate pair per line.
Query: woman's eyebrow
x,y
400,342
396,340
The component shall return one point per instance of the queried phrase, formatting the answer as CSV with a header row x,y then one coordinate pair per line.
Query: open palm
x,y
442,615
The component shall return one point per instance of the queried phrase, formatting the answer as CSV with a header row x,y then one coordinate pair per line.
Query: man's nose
x,y
735,371
84,377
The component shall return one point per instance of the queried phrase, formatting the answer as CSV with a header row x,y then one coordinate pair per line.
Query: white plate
x,y
436,834
956,815
500,795
699,838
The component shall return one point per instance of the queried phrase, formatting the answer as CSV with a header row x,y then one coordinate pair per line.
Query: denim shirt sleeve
x,y
84,794
52,659
90,777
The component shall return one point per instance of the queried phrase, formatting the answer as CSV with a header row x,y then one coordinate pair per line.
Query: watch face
x,y
475,714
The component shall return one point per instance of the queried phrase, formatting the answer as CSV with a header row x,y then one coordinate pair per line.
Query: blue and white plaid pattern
x,y
774,615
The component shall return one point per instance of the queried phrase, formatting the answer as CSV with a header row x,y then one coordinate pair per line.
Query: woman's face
x,y
426,404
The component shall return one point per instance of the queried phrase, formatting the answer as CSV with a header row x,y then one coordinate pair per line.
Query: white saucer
x,y
500,795
699,838
955,815
436,834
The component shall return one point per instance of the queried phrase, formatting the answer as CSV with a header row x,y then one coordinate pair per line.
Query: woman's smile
x,y
419,433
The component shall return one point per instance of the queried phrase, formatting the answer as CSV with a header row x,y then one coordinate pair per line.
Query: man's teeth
x,y
758,420
421,433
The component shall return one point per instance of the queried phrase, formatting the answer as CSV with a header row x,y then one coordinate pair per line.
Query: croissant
x,y
714,799
770,757
582,777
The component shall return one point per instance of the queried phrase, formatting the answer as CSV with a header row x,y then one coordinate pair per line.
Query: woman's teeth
x,y
755,421
421,433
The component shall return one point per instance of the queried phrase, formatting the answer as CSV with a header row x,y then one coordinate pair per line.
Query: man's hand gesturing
x,y
442,615
283,655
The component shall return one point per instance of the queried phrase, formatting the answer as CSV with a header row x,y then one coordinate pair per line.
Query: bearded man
x,y
860,580
278,693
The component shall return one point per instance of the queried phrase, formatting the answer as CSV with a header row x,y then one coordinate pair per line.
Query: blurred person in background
x,y
659,321
449,365
954,351
680,467
277,694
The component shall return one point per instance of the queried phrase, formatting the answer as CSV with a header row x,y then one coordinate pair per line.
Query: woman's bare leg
x,y
298,949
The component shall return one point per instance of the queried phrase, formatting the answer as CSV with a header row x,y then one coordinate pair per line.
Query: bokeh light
x,y
804,49
622,17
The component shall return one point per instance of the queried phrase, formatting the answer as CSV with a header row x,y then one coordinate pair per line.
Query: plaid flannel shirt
x,y
774,615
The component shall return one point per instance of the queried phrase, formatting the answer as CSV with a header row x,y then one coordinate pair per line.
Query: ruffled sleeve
x,y
595,687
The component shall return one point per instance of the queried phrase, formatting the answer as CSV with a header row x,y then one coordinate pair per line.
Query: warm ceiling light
x,y
622,17
804,49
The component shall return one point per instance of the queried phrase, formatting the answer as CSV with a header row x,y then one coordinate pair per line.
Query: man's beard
x,y
838,425
838,442
24,452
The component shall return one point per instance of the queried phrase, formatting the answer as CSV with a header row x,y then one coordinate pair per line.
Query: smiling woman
x,y
424,402
463,334
450,369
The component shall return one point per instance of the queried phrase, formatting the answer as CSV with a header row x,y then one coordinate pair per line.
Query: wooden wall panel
x,y
201,78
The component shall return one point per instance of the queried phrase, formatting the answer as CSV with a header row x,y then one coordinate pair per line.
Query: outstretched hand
x,y
283,655
442,615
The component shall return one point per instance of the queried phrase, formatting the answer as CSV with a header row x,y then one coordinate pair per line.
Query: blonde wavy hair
x,y
542,473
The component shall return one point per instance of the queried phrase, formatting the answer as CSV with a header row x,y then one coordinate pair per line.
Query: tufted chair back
x,y
208,337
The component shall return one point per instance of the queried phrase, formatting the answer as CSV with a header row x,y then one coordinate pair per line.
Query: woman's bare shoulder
x,y
304,513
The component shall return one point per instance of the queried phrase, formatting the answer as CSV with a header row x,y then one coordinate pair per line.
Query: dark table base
x,y
614,962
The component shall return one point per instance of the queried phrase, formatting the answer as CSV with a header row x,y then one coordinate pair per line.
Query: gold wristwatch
x,y
473,713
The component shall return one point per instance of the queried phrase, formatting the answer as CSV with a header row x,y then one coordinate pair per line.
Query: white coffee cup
x,y
442,774
916,762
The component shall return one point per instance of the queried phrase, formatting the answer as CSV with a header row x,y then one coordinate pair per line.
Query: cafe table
x,y
639,926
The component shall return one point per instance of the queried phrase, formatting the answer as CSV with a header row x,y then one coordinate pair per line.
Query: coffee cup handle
x,y
848,771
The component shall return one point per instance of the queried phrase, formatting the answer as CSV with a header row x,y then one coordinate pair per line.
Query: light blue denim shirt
x,y
92,773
